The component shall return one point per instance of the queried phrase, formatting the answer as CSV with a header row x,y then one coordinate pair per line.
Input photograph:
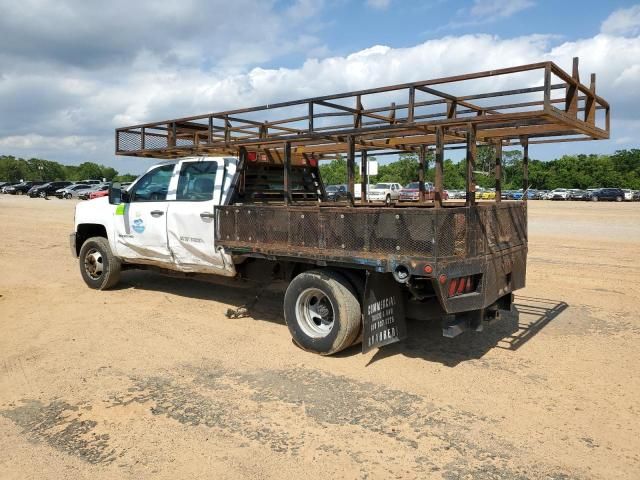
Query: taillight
x,y
470,287
461,286
453,286
462,283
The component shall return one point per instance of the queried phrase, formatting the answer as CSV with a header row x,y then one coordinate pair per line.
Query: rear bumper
x,y
499,274
72,245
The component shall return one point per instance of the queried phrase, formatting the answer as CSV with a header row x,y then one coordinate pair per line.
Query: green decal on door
x,y
120,209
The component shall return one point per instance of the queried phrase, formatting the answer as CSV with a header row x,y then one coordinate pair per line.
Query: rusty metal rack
x,y
408,117
402,117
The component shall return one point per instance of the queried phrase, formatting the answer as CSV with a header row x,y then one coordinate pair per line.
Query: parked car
x,y
576,194
91,182
456,194
411,192
102,191
83,194
559,194
628,195
6,185
489,194
386,192
22,187
636,196
47,189
71,191
607,194
336,192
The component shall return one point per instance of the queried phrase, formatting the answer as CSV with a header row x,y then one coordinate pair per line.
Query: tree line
x,y
14,169
620,169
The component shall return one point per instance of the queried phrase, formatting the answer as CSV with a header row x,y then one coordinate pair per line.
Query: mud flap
x,y
383,312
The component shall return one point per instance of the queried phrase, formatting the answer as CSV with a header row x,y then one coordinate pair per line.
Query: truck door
x,y
190,217
141,224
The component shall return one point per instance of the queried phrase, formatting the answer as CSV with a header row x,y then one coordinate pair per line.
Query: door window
x,y
196,181
153,186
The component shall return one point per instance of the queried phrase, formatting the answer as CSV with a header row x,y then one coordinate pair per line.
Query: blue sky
x,y
71,73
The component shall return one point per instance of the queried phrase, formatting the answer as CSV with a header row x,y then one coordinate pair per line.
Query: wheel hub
x,y
93,263
315,313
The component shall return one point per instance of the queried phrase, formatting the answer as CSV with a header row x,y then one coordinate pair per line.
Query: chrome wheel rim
x,y
93,264
315,313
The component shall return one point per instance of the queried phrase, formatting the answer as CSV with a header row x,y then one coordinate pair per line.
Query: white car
x,y
72,190
385,192
628,195
559,194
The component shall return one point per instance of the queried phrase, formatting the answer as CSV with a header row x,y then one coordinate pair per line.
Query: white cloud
x,y
67,110
379,4
499,8
625,21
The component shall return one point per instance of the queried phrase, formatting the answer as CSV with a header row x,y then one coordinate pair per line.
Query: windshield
x,y
382,186
413,185
332,188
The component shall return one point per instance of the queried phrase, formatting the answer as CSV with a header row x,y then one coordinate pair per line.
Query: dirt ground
x,y
151,380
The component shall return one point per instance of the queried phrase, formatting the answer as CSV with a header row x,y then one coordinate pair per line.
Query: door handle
x,y
207,215
157,213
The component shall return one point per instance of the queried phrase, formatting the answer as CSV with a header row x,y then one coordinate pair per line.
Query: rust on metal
x,y
324,124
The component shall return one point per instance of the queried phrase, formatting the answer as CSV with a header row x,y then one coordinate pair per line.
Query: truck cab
x,y
165,218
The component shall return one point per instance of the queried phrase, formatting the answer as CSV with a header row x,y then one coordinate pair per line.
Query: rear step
x,y
454,325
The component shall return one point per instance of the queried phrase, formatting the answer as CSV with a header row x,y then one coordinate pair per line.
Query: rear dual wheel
x,y
322,311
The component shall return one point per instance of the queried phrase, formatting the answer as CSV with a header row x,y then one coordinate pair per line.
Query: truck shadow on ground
x,y
266,307
514,329
424,340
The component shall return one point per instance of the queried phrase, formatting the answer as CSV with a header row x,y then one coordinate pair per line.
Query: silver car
x,y
71,191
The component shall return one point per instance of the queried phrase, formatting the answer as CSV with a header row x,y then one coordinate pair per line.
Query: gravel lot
x,y
152,381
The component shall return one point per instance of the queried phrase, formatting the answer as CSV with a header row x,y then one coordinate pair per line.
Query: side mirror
x,y
115,194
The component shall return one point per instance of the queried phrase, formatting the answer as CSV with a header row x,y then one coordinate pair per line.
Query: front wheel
x,y
618,199
67,196
20,192
99,268
594,199
387,200
322,311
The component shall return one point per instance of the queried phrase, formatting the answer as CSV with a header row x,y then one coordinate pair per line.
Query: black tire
x,y
618,199
594,198
98,248
68,196
340,300
20,192
387,200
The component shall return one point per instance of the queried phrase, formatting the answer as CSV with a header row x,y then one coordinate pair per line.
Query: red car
x,y
411,193
102,192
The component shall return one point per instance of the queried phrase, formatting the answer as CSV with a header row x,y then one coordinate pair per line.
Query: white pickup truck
x,y
167,220
386,192
352,274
